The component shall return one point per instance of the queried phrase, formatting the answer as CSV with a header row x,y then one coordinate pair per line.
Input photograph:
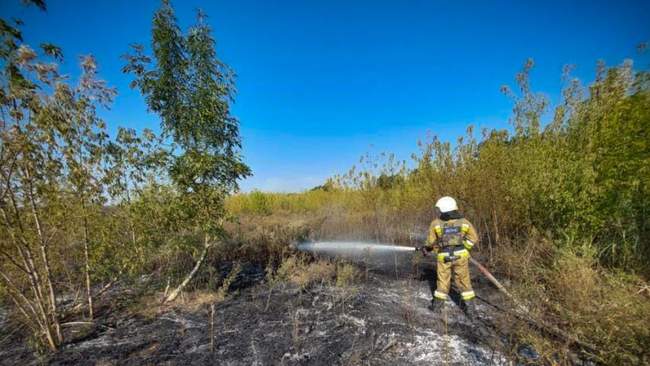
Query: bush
x,y
299,271
259,203
346,274
599,307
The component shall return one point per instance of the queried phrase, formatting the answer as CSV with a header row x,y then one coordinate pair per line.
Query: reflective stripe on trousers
x,y
440,295
468,295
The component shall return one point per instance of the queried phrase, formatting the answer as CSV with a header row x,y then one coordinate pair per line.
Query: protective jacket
x,y
452,237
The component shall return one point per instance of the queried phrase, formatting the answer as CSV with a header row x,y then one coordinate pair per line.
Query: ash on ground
x,y
382,321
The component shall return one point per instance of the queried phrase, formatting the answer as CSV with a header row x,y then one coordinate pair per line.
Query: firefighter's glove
x,y
450,258
423,249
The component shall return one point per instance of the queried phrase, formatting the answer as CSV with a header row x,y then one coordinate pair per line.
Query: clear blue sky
x,y
322,82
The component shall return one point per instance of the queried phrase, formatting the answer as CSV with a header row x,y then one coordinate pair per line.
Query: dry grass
x,y
197,300
299,271
303,272
266,239
347,275
566,287
151,306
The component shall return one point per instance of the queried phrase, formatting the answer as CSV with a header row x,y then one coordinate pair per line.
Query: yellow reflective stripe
x,y
440,295
468,295
464,228
438,230
463,253
468,244
441,256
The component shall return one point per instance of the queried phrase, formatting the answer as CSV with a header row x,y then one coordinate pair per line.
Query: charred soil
x,y
382,320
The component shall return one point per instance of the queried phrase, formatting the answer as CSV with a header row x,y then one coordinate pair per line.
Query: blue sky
x,y
322,82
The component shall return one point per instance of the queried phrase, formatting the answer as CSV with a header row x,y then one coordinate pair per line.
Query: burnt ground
x,y
384,320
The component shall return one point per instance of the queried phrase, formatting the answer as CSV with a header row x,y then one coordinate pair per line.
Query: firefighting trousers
x,y
459,268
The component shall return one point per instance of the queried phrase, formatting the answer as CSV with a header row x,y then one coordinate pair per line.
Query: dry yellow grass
x,y
300,271
566,287
297,270
346,274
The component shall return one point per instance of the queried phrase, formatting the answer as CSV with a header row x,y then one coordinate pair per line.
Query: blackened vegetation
x,y
382,320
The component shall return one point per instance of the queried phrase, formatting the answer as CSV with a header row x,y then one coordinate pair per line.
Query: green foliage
x,y
51,150
259,203
79,207
191,90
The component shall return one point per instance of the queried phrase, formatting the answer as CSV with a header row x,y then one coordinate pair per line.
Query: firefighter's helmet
x,y
446,204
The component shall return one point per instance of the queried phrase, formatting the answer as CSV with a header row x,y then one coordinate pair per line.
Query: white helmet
x,y
446,204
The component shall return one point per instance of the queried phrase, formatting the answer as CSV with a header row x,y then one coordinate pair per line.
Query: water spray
x,y
370,254
350,248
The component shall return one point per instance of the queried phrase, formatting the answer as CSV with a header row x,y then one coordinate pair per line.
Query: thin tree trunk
x,y
206,246
20,299
23,249
34,277
86,240
489,238
43,324
35,283
45,258
495,222
129,219
14,261
23,311
211,327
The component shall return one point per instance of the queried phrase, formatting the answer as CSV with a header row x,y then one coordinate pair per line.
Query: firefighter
x,y
451,237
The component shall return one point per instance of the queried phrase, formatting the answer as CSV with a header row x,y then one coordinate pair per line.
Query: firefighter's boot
x,y
436,305
470,309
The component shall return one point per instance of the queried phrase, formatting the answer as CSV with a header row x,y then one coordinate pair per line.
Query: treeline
x,y
79,207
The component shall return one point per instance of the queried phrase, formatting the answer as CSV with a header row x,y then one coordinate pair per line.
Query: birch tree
x,y
50,146
191,90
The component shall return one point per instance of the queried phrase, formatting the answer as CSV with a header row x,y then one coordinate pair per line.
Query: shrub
x,y
259,203
299,271
346,274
